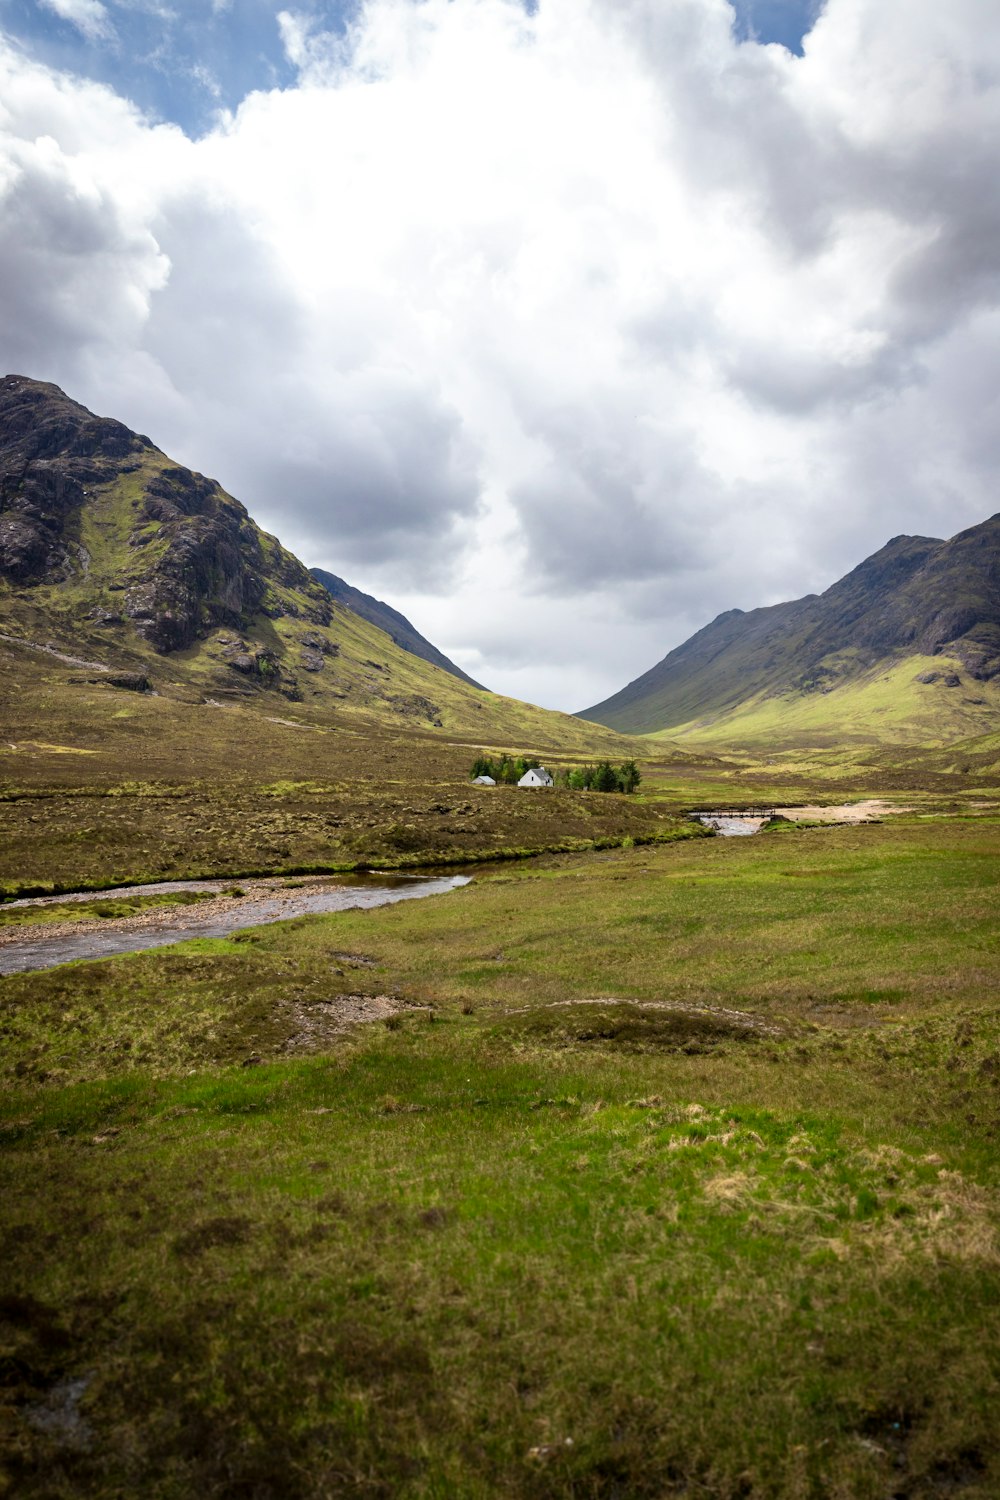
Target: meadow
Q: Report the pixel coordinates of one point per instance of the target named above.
(101, 788)
(671, 1170)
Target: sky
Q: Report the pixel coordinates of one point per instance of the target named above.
(562, 326)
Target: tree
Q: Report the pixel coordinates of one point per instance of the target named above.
(628, 776)
(606, 778)
(507, 771)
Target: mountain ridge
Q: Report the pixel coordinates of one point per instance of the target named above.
(396, 626)
(916, 597)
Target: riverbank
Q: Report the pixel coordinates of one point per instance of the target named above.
(220, 909)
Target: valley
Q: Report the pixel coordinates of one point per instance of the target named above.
(633, 1162)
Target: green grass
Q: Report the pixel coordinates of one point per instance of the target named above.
(296, 1284)
(885, 705)
(732, 1230)
(85, 911)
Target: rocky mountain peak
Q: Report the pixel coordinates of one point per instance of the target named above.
(85, 501)
(917, 596)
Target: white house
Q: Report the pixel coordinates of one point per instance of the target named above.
(537, 776)
(484, 781)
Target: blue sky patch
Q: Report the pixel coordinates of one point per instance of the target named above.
(178, 60)
(182, 60)
(784, 21)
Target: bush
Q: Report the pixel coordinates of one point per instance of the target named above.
(604, 777)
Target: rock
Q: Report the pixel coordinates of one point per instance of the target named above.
(928, 677)
(51, 449)
(260, 663)
(316, 643)
(202, 561)
(131, 682)
(24, 547)
(311, 661)
(415, 706)
(983, 668)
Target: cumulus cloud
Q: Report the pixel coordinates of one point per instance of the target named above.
(577, 322)
(78, 264)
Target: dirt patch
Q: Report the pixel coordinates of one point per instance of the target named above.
(868, 811)
(223, 1231)
(634, 1026)
(321, 1022)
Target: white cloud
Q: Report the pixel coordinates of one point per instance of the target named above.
(579, 327)
(90, 17)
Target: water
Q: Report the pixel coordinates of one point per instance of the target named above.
(263, 902)
(731, 827)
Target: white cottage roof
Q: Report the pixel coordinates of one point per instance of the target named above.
(484, 781)
(537, 776)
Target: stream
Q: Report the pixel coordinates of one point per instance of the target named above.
(730, 826)
(260, 902)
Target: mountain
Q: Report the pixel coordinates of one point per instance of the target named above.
(89, 506)
(396, 626)
(138, 572)
(907, 644)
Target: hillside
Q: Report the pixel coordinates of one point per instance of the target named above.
(907, 645)
(142, 573)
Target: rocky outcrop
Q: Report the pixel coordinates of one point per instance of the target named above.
(208, 563)
(129, 682)
(51, 450)
(211, 571)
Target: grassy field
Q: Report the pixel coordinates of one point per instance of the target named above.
(99, 788)
(672, 1173)
(13, 916)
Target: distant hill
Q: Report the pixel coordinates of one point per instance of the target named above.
(907, 644)
(395, 625)
(120, 568)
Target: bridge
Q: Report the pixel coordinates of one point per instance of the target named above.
(734, 812)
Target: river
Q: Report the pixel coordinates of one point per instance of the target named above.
(259, 902)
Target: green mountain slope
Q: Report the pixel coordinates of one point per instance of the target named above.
(907, 645)
(396, 626)
(137, 571)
